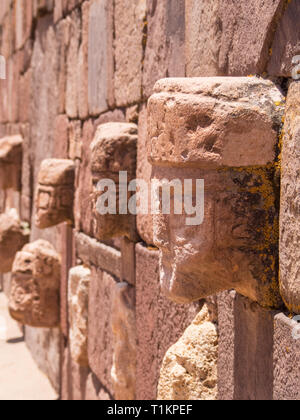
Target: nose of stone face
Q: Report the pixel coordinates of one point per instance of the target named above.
(224, 131)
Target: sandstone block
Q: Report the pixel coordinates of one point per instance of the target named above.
(124, 334)
(160, 322)
(55, 193)
(34, 296)
(113, 150)
(286, 359)
(290, 203)
(189, 370)
(78, 295)
(129, 26)
(11, 162)
(286, 42)
(100, 57)
(13, 236)
(223, 131)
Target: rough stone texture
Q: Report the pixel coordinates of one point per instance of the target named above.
(290, 203)
(286, 42)
(189, 370)
(92, 252)
(34, 295)
(209, 129)
(78, 295)
(113, 150)
(222, 36)
(129, 26)
(286, 359)
(245, 362)
(160, 323)
(55, 193)
(13, 236)
(100, 334)
(144, 172)
(100, 56)
(124, 334)
(165, 50)
(11, 162)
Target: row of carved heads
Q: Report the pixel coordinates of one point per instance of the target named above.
(221, 130)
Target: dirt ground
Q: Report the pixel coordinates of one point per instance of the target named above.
(20, 379)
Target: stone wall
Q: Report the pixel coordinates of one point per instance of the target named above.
(79, 77)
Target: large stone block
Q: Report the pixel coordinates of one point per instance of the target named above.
(124, 334)
(100, 57)
(286, 359)
(113, 151)
(13, 236)
(160, 322)
(129, 26)
(286, 42)
(189, 370)
(222, 36)
(11, 153)
(165, 42)
(78, 295)
(100, 333)
(290, 203)
(55, 193)
(221, 134)
(34, 296)
(246, 357)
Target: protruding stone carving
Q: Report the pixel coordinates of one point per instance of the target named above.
(55, 193)
(13, 236)
(34, 297)
(124, 332)
(114, 150)
(79, 283)
(223, 131)
(11, 154)
(189, 370)
(290, 203)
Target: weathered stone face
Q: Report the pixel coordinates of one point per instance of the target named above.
(13, 236)
(79, 282)
(124, 334)
(223, 131)
(189, 370)
(290, 203)
(11, 162)
(34, 297)
(55, 193)
(114, 150)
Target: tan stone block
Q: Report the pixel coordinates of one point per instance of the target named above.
(290, 203)
(78, 295)
(55, 193)
(13, 236)
(124, 335)
(129, 25)
(34, 296)
(189, 370)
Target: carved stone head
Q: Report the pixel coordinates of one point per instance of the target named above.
(223, 131)
(55, 193)
(114, 150)
(34, 296)
(13, 236)
(11, 153)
